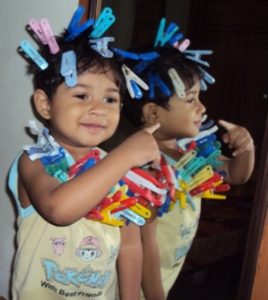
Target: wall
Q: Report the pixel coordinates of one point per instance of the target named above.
(15, 101)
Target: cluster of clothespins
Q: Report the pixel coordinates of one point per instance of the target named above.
(43, 33)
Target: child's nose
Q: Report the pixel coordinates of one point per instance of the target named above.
(96, 105)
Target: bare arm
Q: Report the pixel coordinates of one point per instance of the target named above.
(240, 167)
(130, 263)
(64, 204)
(151, 277)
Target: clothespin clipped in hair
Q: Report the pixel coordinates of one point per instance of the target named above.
(101, 46)
(156, 81)
(206, 78)
(68, 68)
(49, 36)
(195, 55)
(164, 36)
(177, 83)
(33, 54)
(103, 23)
(75, 28)
(133, 82)
(126, 54)
(38, 31)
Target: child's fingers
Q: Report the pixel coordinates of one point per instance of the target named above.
(227, 125)
(152, 129)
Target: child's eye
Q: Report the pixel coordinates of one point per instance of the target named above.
(190, 100)
(111, 100)
(82, 96)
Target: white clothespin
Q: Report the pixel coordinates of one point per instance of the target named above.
(177, 83)
(132, 82)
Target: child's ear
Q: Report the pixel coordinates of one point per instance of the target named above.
(42, 104)
(150, 113)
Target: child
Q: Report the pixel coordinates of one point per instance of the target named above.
(178, 109)
(60, 253)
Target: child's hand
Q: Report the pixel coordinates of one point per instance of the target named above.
(142, 147)
(237, 138)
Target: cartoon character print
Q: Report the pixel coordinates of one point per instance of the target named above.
(88, 249)
(58, 245)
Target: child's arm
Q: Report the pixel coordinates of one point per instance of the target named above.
(151, 279)
(65, 203)
(130, 263)
(240, 167)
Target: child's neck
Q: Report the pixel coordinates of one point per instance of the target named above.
(170, 148)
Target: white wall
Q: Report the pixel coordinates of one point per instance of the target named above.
(15, 109)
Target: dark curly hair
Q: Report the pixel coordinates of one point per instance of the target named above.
(87, 59)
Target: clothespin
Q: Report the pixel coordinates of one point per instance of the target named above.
(149, 55)
(103, 23)
(185, 159)
(174, 41)
(141, 210)
(195, 55)
(37, 29)
(126, 54)
(164, 36)
(191, 168)
(49, 36)
(33, 54)
(182, 46)
(183, 142)
(156, 81)
(132, 81)
(207, 77)
(75, 28)
(210, 195)
(68, 68)
(101, 46)
(131, 216)
(177, 83)
(202, 176)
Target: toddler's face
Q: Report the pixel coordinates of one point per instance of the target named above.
(87, 114)
(183, 117)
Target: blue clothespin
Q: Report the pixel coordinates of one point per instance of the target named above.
(175, 39)
(131, 216)
(101, 46)
(33, 54)
(126, 54)
(195, 55)
(104, 21)
(68, 68)
(207, 77)
(133, 82)
(74, 27)
(207, 125)
(149, 55)
(156, 81)
(164, 36)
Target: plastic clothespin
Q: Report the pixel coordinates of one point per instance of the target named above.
(49, 36)
(68, 68)
(131, 216)
(207, 77)
(33, 54)
(156, 81)
(185, 159)
(133, 82)
(37, 29)
(191, 168)
(174, 41)
(183, 142)
(126, 54)
(149, 55)
(177, 83)
(75, 26)
(164, 36)
(182, 46)
(101, 46)
(104, 21)
(205, 174)
(141, 210)
(195, 55)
